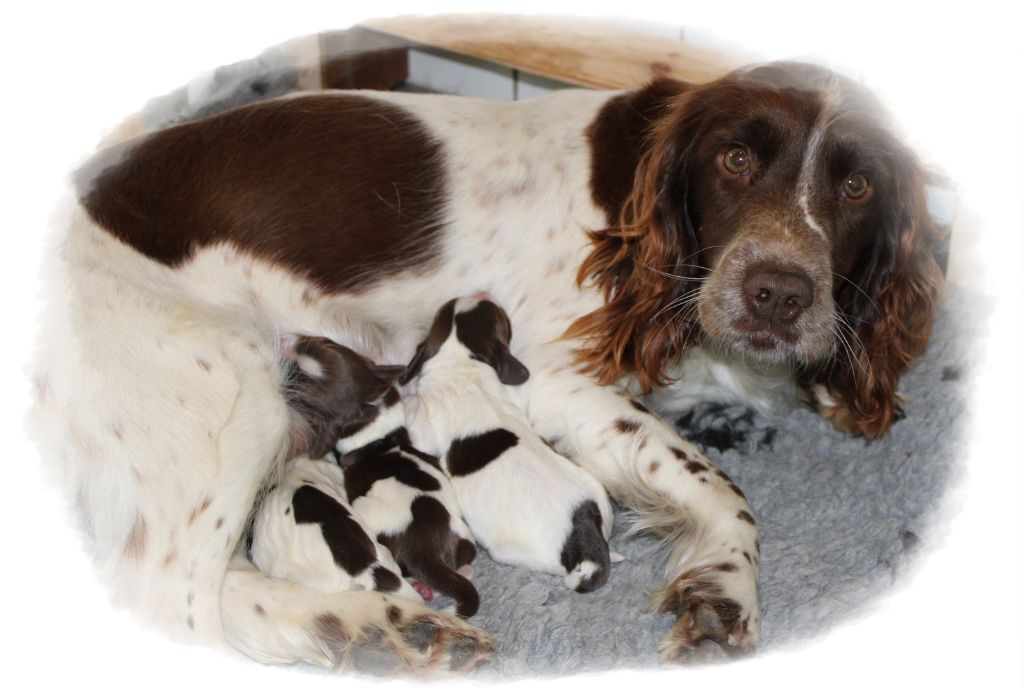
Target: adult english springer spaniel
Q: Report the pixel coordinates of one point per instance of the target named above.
(764, 223)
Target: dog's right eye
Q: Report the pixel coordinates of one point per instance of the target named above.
(736, 161)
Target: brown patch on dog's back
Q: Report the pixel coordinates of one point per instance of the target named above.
(321, 185)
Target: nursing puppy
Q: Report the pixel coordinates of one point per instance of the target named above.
(525, 504)
(304, 530)
(397, 492)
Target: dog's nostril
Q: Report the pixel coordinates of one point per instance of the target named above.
(777, 295)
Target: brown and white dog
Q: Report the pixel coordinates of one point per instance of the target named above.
(768, 218)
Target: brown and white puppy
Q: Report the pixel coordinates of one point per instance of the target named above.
(526, 504)
(305, 532)
(398, 493)
(621, 230)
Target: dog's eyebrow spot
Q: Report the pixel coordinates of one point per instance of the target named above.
(695, 467)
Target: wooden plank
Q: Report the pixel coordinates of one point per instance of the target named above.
(576, 51)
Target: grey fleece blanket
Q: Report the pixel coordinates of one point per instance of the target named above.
(841, 519)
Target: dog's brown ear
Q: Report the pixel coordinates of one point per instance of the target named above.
(639, 262)
(888, 312)
(439, 332)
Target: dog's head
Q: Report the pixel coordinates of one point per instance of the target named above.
(333, 392)
(476, 327)
(772, 215)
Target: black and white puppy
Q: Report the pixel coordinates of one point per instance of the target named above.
(398, 493)
(305, 531)
(525, 503)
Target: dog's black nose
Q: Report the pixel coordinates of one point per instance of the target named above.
(777, 295)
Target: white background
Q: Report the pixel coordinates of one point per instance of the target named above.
(951, 75)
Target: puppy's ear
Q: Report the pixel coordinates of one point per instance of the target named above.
(510, 370)
(439, 332)
(420, 358)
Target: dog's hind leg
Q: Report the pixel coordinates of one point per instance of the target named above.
(163, 423)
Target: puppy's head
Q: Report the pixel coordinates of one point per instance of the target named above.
(476, 325)
(333, 392)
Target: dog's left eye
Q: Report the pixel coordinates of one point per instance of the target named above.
(857, 188)
(736, 161)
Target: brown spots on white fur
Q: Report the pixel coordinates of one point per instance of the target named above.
(199, 510)
(627, 426)
(117, 429)
(135, 545)
(170, 557)
(489, 192)
(203, 364)
(557, 267)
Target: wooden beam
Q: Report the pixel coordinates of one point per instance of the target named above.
(576, 51)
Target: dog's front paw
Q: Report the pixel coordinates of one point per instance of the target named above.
(716, 602)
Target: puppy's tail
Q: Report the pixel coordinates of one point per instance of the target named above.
(450, 582)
